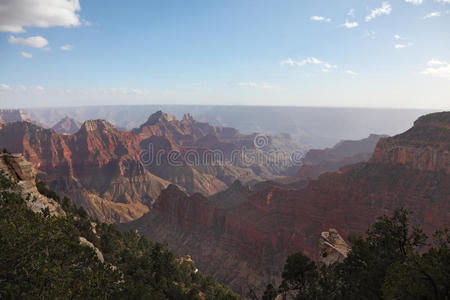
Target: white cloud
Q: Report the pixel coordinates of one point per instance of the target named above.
(385, 9)
(26, 54)
(415, 2)
(397, 37)
(348, 24)
(325, 67)
(67, 47)
(350, 72)
(320, 19)
(442, 1)
(401, 46)
(261, 85)
(437, 68)
(33, 41)
(370, 34)
(17, 14)
(432, 15)
(351, 12)
(436, 62)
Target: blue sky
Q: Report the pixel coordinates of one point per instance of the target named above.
(285, 52)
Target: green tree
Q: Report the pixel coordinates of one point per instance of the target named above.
(387, 242)
(424, 276)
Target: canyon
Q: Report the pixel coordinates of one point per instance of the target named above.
(243, 235)
(116, 175)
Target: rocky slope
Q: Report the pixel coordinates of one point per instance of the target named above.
(67, 126)
(116, 175)
(24, 174)
(243, 236)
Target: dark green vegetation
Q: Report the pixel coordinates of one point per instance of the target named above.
(41, 258)
(393, 261)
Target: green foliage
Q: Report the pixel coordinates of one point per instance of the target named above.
(41, 257)
(299, 275)
(387, 264)
(424, 276)
(388, 242)
(44, 190)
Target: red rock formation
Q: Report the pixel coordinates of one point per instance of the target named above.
(243, 237)
(98, 167)
(102, 168)
(425, 147)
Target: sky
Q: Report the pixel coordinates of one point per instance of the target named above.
(228, 52)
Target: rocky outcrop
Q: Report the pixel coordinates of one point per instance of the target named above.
(67, 126)
(332, 247)
(85, 242)
(243, 237)
(24, 174)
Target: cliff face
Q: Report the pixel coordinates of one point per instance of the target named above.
(21, 171)
(116, 175)
(424, 147)
(243, 237)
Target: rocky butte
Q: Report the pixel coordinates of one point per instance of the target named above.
(242, 236)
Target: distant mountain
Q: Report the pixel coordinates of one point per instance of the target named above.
(243, 236)
(343, 149)
(346, 152)
(67, 126)
(116, 175)
(315, 127)
(13, 115)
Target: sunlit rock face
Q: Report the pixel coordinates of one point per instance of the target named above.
(332, 247)
(425, 147)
